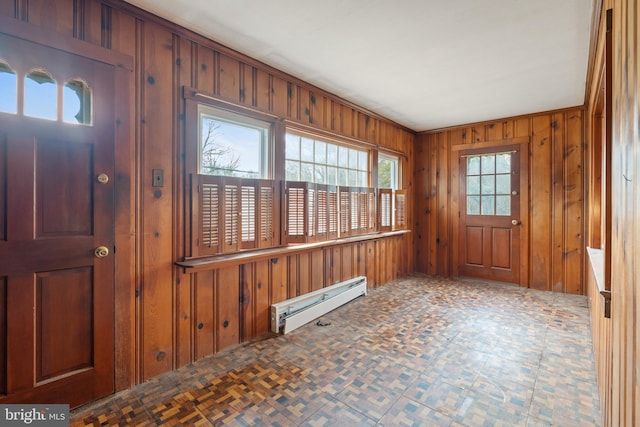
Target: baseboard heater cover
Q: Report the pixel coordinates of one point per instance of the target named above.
(295, 312)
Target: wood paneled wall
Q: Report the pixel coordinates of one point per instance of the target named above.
(553, 228)
(166, 318)
(625, 271)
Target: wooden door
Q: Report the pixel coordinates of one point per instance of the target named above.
(56, 208)
(490, 214)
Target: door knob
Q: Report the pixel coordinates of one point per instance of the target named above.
(515, 222)
(101, 252)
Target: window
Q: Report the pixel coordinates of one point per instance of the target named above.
(489, 184)
(40, 97)
(233, 145)
(76, 102)
(311, 160)
(388, 171)
(40, 91)
(8, 89)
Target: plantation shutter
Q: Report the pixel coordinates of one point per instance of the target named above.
(266, 205)
(323, 212)
(231, 205)
(295, 212)
(354, 200)
(344, 211)
(311, 211)
(385, 206)
(205, 215)
(248, 207)
(333, 212)
(401, 214)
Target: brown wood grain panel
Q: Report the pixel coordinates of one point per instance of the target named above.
(434, 212)
(508, 129)
(541, 200)
(3, 335)
(204, 314)
(262, 298)
(335, 265)
(316, 109)
(443, 206)
(88, 22)
(3, 194)
(293, 278)
(557, 216)
(348, 125)
(293, 101)
(336, 116)
(477, 134)
(157, 271)
(54, 15)
(9, 8)
(227, 317)
(206, 70)
(248, 289)
(122, 34)
(278, 280)
(303, 105)
(21, 337)
(262, 90)
(64, 322)
(382, 265)
(370, 260)
(474, 245)
(64, 165)
(247, 86)
(421, 223)
(574, 204)
(317, 269)
(228, 78)
(522, 127)
(183, 76)
(347, 262)
(280, 94)
(493, 131)
(500, 239)
(304, 273)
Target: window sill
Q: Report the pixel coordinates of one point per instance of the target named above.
(200, 264)
(596, 259)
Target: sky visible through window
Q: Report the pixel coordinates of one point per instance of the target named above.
(40, 97)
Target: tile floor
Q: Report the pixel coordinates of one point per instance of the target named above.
(420, 351)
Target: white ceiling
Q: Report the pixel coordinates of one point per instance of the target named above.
(425, 64)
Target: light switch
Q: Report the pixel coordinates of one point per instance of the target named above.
(158, 178)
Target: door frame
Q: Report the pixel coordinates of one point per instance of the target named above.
(124, 182)
(525, 211)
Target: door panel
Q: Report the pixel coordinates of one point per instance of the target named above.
(57, 298)
(489, 205)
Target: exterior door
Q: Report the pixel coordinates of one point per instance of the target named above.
(56, 209)
(490, 214)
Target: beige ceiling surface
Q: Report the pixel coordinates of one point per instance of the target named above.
(424, 64)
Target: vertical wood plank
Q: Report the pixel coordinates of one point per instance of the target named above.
(558, 218)
(293, 279)
(8, 8)
(304, 105)
(304, 273)
(205, 328)
(56, 15)
(248, 288)
(573, 204)
(541, 199)
(443, 206)
(262, 90)
(205, 76)
(278, 279)
(247, 78)
(227, 307)
(228, 78)
(337, 261)
(317, 269)
(262, 298)
(279, 95)
(157, 267)
(493, 131)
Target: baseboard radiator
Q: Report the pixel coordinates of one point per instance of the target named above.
(295, 312)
